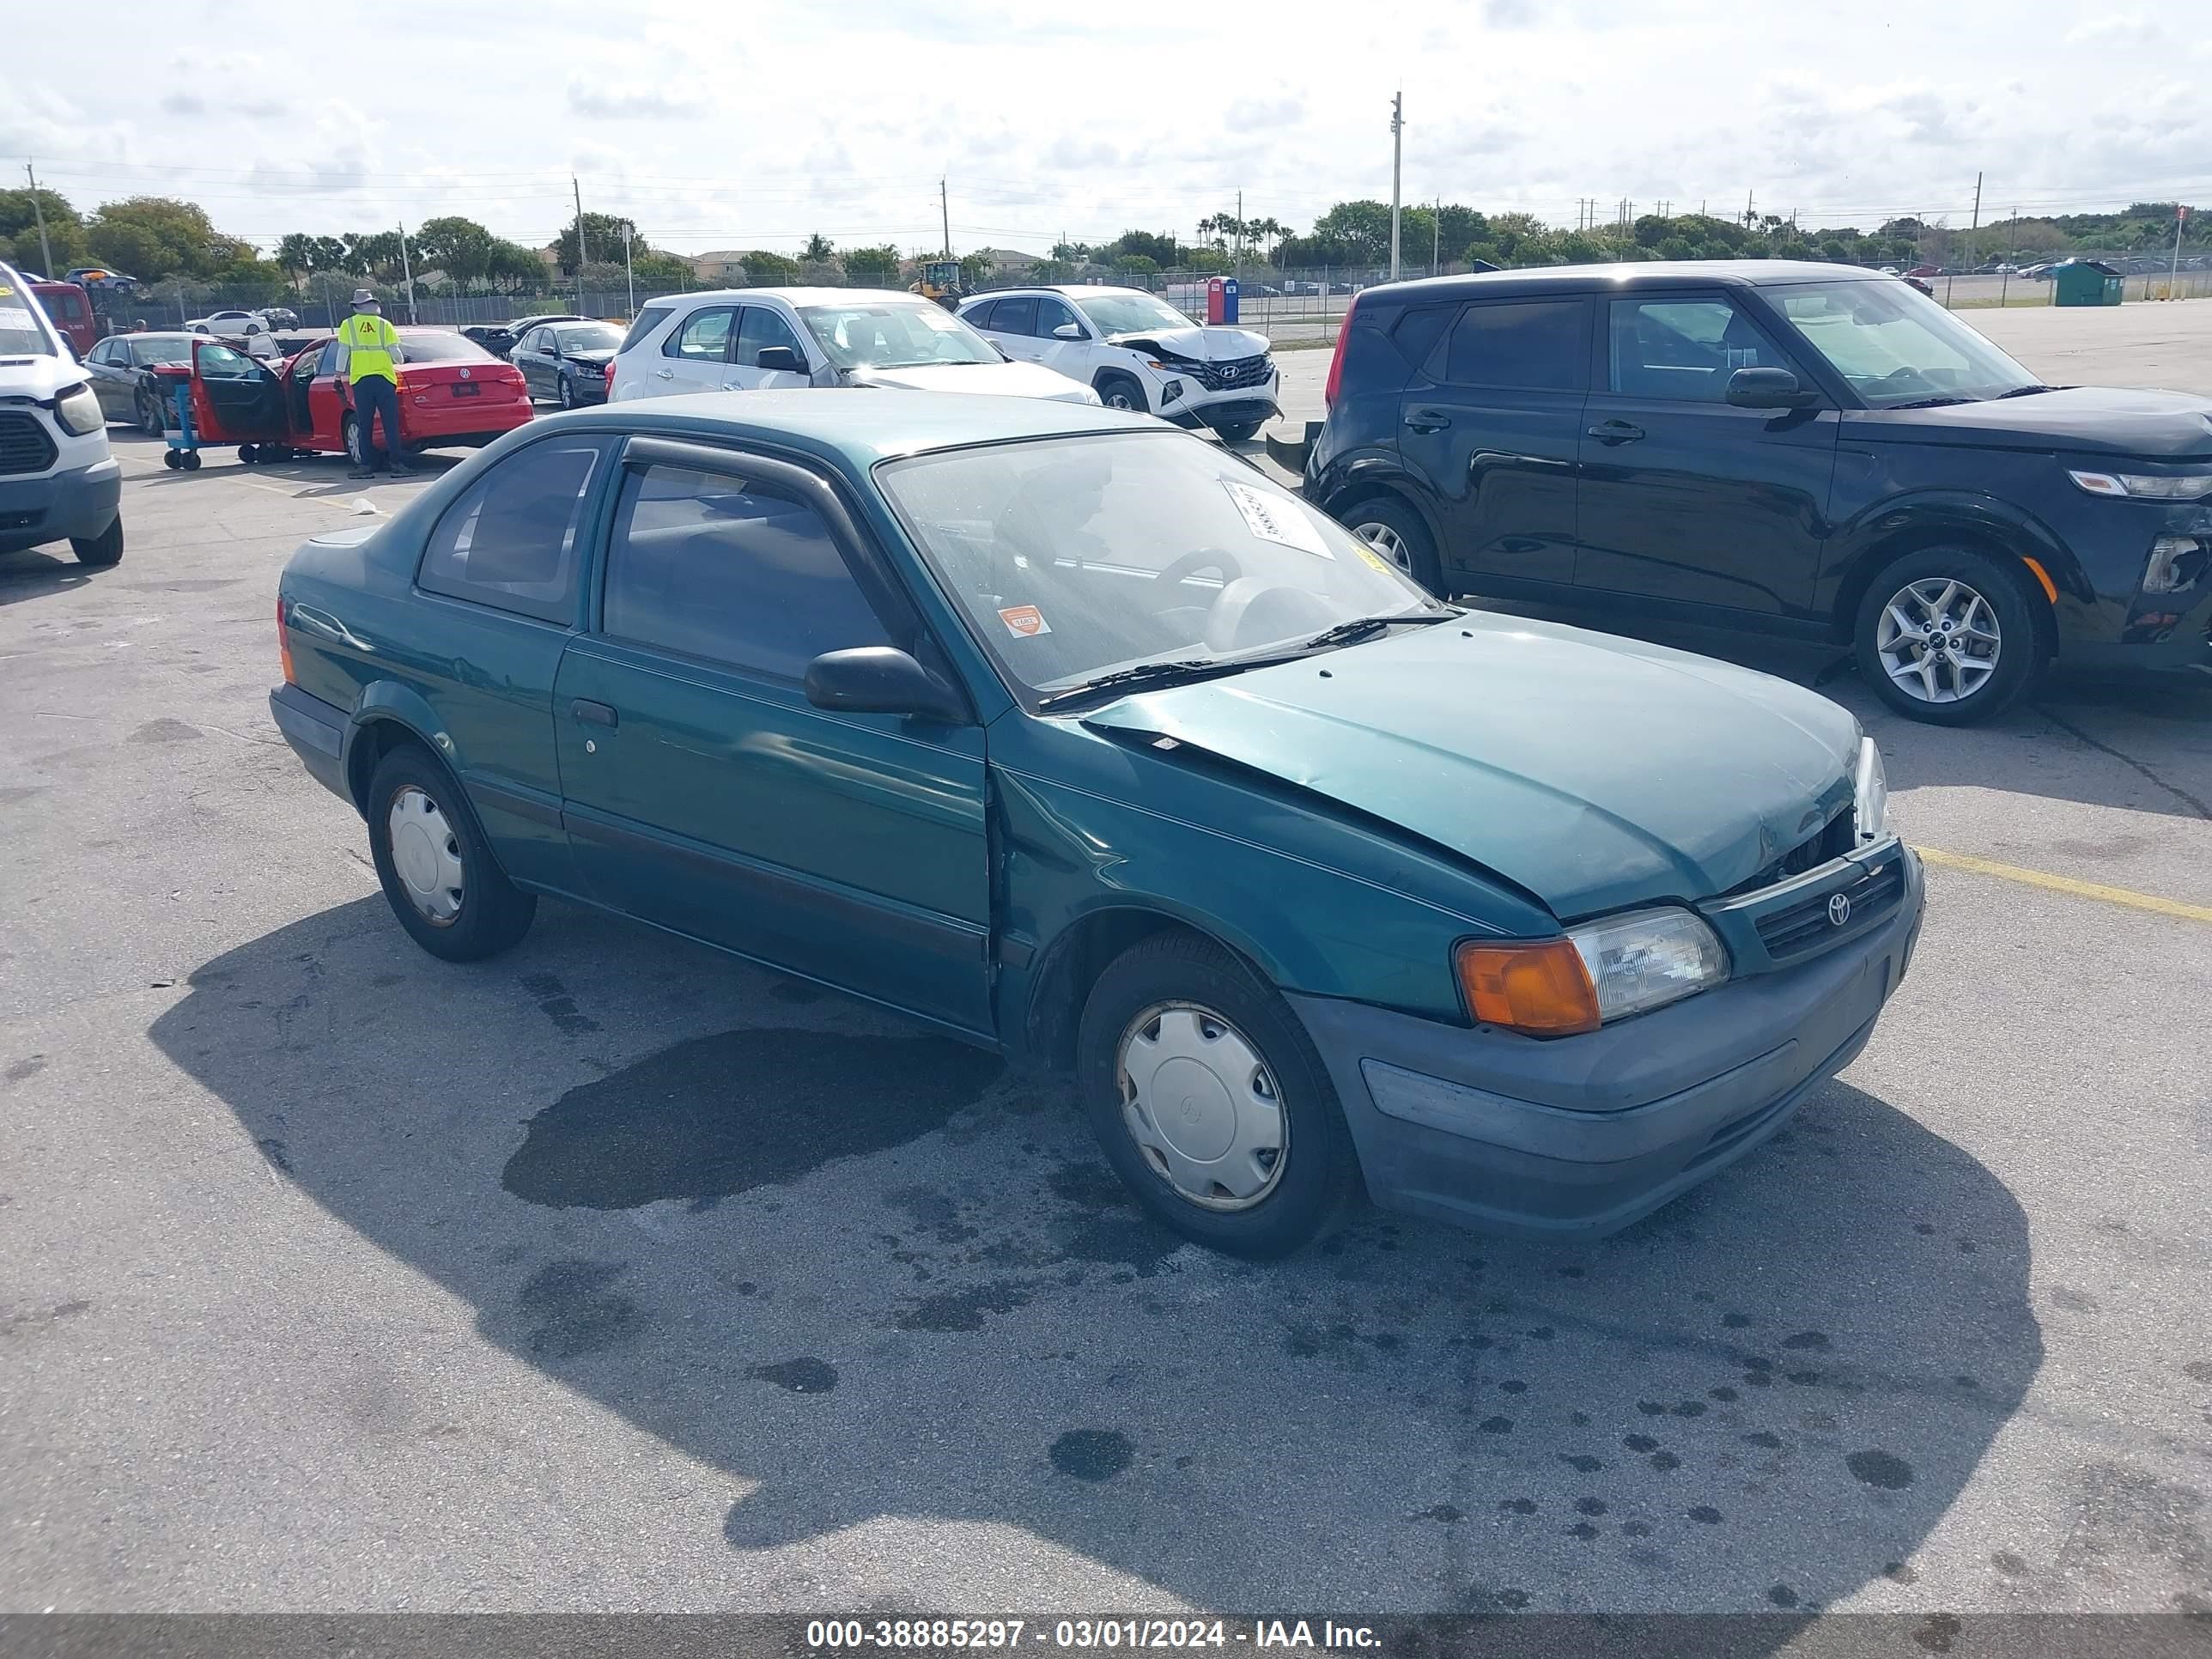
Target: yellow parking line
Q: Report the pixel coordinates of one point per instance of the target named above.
(2092, 890)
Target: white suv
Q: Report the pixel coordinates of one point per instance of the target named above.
(1138, 352)
(57, 481)
(763, 339)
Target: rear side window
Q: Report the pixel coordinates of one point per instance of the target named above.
(1528, 345)
(1015, 317)
(511, 542)
(648, 320)
(704, 336)
(979, 317)
(719, 568)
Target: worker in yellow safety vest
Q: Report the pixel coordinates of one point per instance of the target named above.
(372, 361)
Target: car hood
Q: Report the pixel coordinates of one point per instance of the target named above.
(40, 378)
(1203, 345)
(2095, 420)
(596, 359)
(1006, 379)
(1595, 773)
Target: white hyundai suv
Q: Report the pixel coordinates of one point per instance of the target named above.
(1138, 352)
(57, 481)
(763, 338)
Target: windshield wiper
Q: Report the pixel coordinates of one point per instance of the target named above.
(1150, 673)
(1361, 627)
(2027, 391)
(1934, 402)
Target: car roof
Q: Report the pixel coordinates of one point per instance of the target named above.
(1069, 291)
(1657, 273)
(792, 296)
(862, 425)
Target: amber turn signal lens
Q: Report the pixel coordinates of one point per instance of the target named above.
(284, 647)
(1541, 989)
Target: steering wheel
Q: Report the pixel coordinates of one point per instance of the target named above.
(1204, 558)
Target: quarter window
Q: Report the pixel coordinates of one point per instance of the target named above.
(716, 566)
(648, 320)
(705, 335)
(1016, 316)
(511, 542)
(1533, 345)
(1683, 349)
(980, 317)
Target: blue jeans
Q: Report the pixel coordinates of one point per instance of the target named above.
(376, 398)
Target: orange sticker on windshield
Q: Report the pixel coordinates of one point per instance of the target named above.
(1024, 620)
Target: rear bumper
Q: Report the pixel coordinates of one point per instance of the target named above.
(316, 730)
(77, 502)
(464, 420)
(1593, 1133)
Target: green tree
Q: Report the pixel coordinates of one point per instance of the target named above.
(511, 267)
(873, 267)
(152, 237)
(1163, 250)
(766, 270)
(1135, 264)
(974, 268)
(603, 232)
(19, 227)
(661, 273)
(819, 250)
(459, 247)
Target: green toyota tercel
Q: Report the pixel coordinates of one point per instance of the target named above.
(1072, 735)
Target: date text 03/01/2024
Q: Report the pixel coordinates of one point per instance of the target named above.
(831, 1635)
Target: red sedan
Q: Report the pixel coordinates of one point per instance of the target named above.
(452, 394)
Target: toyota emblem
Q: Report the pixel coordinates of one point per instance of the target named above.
(465, 374)
(1839, 909)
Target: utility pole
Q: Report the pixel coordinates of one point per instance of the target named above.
(1437, 238)
(1239, 266)
(1750, 212)
(1974, 231)
(2173, 273)
(583, 254)
(1397, 150)
(46, 253)
(945, 213)
(407, 271)
(629, 272)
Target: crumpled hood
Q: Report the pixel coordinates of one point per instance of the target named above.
(1598, 773)
(2083, 419)
(1006, 379)
(598, 359)
(1204, 345)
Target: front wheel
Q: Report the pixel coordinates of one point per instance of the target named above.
(1210, 1101)
(568, 398)
(1397, 532)
(436, 868)
(1948, 636)
(1238, 432)
(1120, 391)
(104, 548)
(151, 421)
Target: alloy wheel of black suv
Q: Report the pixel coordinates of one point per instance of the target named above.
(1945, 635)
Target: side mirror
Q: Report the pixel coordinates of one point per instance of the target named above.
(879, 679)
(1768, 388)
(781, 358)
(1068, 331)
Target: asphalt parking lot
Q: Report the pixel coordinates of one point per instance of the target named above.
(616, 1274)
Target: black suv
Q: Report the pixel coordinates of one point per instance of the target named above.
(1799, 448)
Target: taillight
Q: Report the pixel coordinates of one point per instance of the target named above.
(284, 644)
(1336, 361)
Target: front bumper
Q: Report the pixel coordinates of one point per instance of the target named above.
(1580, 1136)
(1227, 408)
(73, 503)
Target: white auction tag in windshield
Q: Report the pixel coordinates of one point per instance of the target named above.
(14, 317)
(1273, 519)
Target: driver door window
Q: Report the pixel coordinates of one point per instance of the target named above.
(759, 329)
(1683, 349)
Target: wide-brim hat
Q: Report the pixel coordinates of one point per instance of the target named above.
(364, 296)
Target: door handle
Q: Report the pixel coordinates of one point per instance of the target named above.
(1428, 420)
(594, 713)
(1616, 432)
(664, 374)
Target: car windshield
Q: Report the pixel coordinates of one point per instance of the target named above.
(1895, 345)
(1080, 556)
(149, 349)
(21, 334)
(438, 345)
(889, 335)
(589, 336)
(1129, 314)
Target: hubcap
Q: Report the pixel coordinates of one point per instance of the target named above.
(427, 855)
(1201, 1106)
(1938, 640)
(1387, 541)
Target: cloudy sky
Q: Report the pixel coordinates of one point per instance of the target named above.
(752, 126)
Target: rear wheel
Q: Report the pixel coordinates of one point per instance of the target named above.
(1948, 636)
(436, 868)
(104, 548)
(1210, 1101)
(1396, 532)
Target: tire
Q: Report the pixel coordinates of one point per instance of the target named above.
(1236, 432)
(1121, 391)
(482, 913)
(101, 550)
(567, 394)
(348, 439)
(150, 419)
(1185, 991)
(1395, 531)
(173, 460)
(1964, 604)
(248, 454)
(190, 460)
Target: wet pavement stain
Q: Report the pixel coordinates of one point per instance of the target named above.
(804, 1375)
(556, 1004)
(166, 731)
(1877, 1467)
(963, 1311)
(576, 1312)
(722, 1115)
(1092, 1453)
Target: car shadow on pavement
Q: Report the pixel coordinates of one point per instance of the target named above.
(877, 1281)
(34, 574)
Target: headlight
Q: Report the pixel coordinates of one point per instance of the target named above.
(78, 411)
(1872, 785)
(2176, 562)
(2185, 486)
(1604, 971)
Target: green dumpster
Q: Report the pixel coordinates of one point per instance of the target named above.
(2085, 283)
